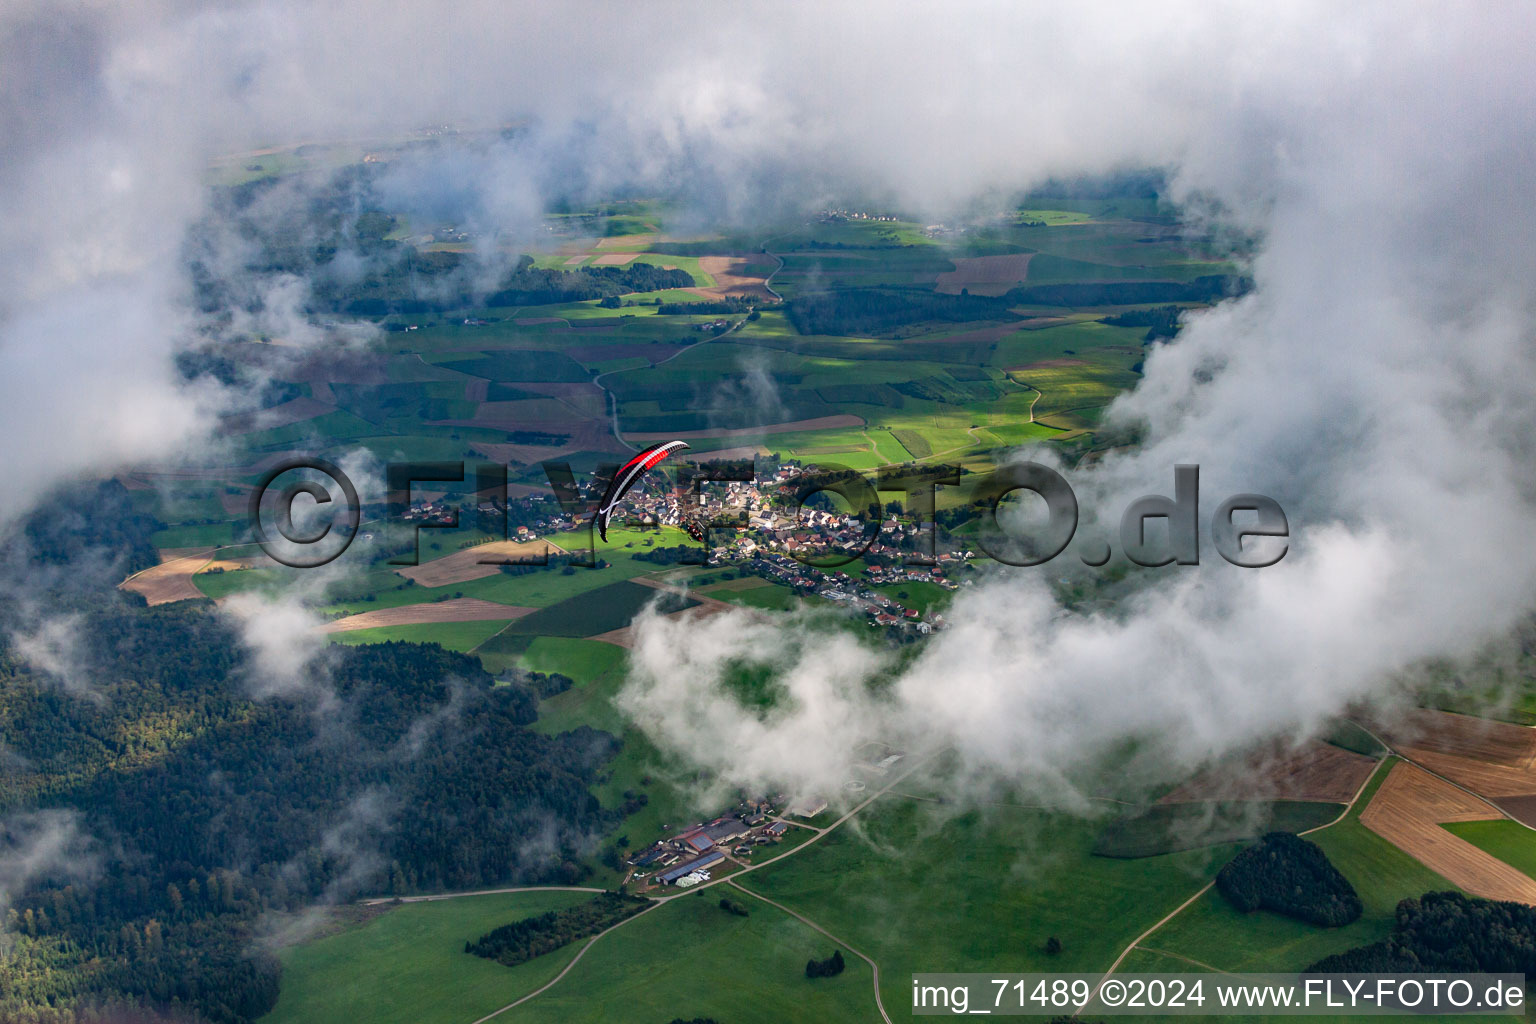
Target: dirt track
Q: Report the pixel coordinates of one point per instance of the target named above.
(464, 565)
(1407, 811)
(459, 609)
(171, 580)
(1318, 771)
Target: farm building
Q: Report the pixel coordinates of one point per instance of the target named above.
(673, 874)
(726, 829)
(698, 841)
(807, 808)
(778, 828)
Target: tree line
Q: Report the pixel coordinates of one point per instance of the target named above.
(515, 943)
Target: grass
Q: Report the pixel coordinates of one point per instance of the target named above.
(455, 636)
(598, 611)
(198, 535)
(692, 959)
(408, 965)
(1510, 841)
(1212, 932)
(598, 670)
(1165, 828)
(916, 885)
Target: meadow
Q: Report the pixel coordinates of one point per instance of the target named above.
(417, 971)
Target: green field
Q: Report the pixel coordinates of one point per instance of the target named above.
(597, 611)
(456, 636)
(1510, 841)
(1166, 828)
(691, 959)
(416, 969)
(1212, 932)
(919, 884)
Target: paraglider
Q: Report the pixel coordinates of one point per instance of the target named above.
(628, 475)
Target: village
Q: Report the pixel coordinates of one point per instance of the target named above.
(764, 537)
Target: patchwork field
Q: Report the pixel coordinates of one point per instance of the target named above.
(458, 609)
(471, 563)
(1317, 771)
(1211, 934)
(171, 580)
(1408, 811)
(985, 275)
(418, 972)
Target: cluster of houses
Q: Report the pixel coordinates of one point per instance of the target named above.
(839, 587)
(837, 216)
(688, 857)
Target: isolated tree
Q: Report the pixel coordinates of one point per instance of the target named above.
(1053, 945)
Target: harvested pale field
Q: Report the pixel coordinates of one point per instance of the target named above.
(637, 242)
(819, 423)
(171, 580)
(985, 275)
(1317, 771)
(237, 564)
(1462, 736)
(614, 259)
(573, 261)
(1407, 811)
(735, 278)
(459, 609)
(1493, 759)
(476, 389)
(1482, 777)
(465, 564)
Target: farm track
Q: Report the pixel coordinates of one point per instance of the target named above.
(1408, 811)
(171, 580)
(732, 879)
(1206, 888)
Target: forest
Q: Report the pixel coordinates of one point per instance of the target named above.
(1447, 931)
(1285, 873)
(209, 816)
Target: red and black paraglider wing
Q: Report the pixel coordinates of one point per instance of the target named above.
(627, 476)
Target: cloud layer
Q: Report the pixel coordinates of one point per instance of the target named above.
(1375, 382)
